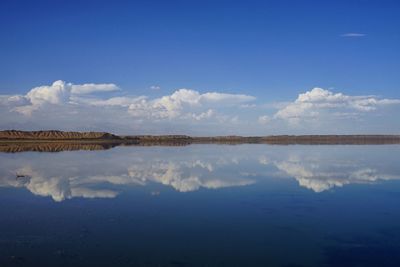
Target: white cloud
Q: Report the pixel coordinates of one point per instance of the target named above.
(353, 34)
(88, 88)
(169, 106)
(248, 105)
(58, 93)
(182, 101)
(119, 101)
(311, 104)
(228, 98)
(265, 119)
(68, 106)
(155, 87)
(204, 115)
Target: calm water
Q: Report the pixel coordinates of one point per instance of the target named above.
(202, 205)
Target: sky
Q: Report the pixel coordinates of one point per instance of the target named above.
(201, 67)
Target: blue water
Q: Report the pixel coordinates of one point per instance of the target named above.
(202, 205)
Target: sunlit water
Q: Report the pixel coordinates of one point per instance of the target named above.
(202, 205)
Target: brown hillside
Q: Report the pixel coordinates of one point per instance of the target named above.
(54, 135)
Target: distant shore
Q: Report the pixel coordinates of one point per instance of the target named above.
(15, 140)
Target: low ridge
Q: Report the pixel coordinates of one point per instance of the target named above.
(54, 135)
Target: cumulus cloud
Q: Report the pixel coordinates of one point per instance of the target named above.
(68, 106)
(169, 106)
(57, 93)
(311, 104)
(178, 104)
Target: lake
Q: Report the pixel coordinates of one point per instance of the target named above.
(202, 205)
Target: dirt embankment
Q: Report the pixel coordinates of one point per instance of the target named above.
(54, 135)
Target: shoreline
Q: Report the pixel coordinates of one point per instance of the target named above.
(55, 141)
(15, 136)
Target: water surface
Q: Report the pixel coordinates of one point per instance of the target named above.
(202, 205)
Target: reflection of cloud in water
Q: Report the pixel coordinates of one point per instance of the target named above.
(104, 174)
(183, 176)
(263, 160)
(59, 188)
(320, 175)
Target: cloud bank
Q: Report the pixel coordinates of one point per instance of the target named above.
(106, 107)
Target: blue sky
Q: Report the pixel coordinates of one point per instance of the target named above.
(269, 50)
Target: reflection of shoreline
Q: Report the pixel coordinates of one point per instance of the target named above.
(58, 146)
(14, 147)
